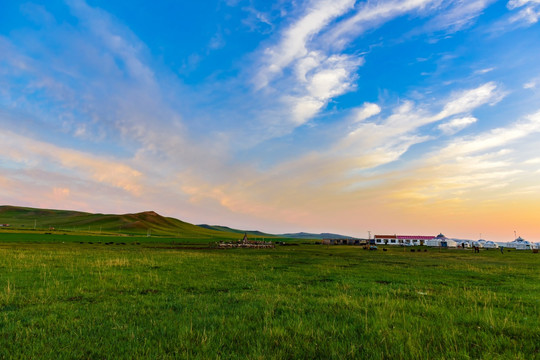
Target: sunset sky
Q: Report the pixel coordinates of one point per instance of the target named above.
(393, 116)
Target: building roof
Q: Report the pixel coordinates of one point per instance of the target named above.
(405, 237)
(415, 237)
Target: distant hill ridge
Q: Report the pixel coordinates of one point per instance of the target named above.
(300, 235)
(236, 231)
(303, 235)
(142, 223)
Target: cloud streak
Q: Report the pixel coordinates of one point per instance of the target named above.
(37, 154)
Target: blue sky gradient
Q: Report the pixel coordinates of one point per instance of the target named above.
(409, 116)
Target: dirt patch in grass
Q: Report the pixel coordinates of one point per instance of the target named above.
(148, 291)
(183, 247)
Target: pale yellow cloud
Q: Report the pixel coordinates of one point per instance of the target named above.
(35, 154)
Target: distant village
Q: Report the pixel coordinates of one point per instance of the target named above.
(439, 241)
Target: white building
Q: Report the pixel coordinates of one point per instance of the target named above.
(415, 240)
(386, 240)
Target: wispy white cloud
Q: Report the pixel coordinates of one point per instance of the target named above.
(456, 125)
(309, 66)
(530, 85)
(366, 111)
(37, 13)
(523, 13)
(304, 68)
(514, 4)
(117, 39)
(494, 138)
(457, 15)
(465, 101)
(370, 15)
(329, 78)
(484, 71)
(258, 20)
(294, 41)
(526, 17)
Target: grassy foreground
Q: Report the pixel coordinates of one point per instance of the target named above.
(159, 301)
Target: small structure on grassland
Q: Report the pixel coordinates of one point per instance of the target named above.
(246, 243)
(345, 241)
(403, 240)
(415, 240)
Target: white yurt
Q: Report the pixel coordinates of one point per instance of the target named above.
(441, 241)
(520, 244)
(480, 243)
(451, 243)
(437, 241)
(490, 245)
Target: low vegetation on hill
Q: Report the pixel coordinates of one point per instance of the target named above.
(143, 223)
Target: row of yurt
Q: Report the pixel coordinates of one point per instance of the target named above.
(444, 242)
(480, 243)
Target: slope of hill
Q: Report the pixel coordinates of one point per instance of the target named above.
(236, 231)
(303, 235)
(300, 235)
(143, 223)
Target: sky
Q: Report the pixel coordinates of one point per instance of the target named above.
(391, 116)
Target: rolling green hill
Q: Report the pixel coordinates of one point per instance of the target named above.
(144, 223)
(236, 231)
(300, 235)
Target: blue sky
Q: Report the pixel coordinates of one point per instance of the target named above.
(410, 116)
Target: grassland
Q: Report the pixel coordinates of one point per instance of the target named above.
(163, 300)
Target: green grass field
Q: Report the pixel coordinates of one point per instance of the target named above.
(60, 299)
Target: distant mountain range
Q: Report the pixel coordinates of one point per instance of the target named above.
(143, 223)
(231, 230)
(300, 235)
(303, 235)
